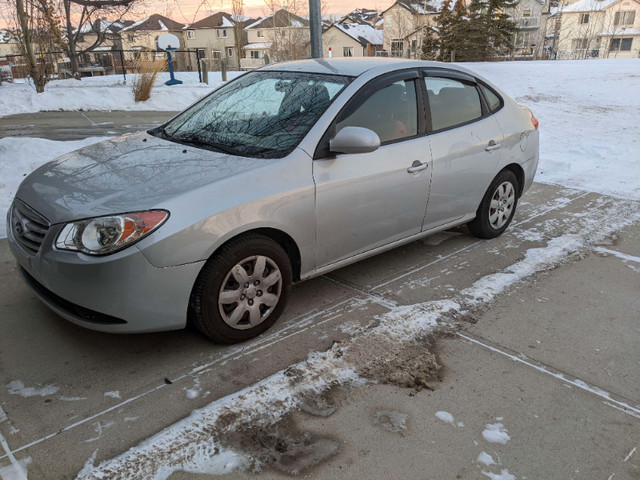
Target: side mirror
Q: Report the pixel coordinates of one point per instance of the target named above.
(354, 140)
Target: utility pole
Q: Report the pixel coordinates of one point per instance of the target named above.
(315, 23)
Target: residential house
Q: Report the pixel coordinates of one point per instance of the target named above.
(351, 40)
(599, 29)
(404, 22)
(530, 17)
(99, 40)
(143, 35)
(281, 36)
(214, 38)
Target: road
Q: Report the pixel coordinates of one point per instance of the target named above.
(78, 125)
(553, 359)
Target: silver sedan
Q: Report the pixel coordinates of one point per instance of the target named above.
(288, 172)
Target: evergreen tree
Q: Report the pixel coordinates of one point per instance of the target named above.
(430, 44)
(453, 23)
(491, 30)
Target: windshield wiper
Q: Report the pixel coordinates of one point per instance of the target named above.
(198, 141)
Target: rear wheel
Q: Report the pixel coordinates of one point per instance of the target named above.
(242, 289)
(497, 207)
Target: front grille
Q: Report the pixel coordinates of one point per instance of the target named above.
(28, 227)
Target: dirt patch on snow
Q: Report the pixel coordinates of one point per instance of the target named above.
(281, 446)
(386, 360)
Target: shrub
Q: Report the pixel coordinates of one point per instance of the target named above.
(148, 69)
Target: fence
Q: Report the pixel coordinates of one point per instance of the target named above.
(99, 62)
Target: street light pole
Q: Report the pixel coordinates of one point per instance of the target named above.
(315, 23)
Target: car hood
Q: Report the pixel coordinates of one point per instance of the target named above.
(124, 174)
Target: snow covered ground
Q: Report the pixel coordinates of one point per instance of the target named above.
(91, 94)
(588, 119)
(588, 112)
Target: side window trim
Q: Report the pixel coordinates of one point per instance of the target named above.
(484, 98)
(378, 83)
(460, 77)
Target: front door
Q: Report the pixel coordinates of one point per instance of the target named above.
(368, 200)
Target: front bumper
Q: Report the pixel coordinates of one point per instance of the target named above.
(118, 293)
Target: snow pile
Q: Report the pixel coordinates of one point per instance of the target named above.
(20, 156)
(588, 119)
(16, 387)
(92, 94)
(496, 433)
(446, 417)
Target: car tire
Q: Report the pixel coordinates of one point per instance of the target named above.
(242, 289)
(497, 207)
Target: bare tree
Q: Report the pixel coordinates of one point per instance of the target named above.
(38, 30)
(237, 11)
(87, 12)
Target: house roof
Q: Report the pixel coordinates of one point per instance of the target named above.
(155, 22)
(417, 7)
(363, 34)
(360, 15)
(258, 46)
(620, 32)
(7, 36)
(587, 6)
(280, 19)
(103, 25)
(220, 20)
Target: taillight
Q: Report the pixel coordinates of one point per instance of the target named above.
(534, 122)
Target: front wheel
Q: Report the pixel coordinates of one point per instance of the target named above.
(497, 207)
(242, 290)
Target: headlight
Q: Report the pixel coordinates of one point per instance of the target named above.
(102, 235)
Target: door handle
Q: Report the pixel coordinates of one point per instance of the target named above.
(493, 146)
(416, 166)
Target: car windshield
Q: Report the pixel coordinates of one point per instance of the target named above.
(261, 114)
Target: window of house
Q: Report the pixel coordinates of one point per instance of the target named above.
(391, 112)
(523, 39)
(584, 18)
(260, 33)
(222, 33)
(397, 46)
(579, 43)
(254, 54)
(624, 18)
(621, 44)
(191, 34)
(452, 102)
(229, 52)
(526, 13)
(131, 37)
(347, 51)
(216, 54)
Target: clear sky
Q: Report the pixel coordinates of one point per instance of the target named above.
(185, 11)
(188, 11)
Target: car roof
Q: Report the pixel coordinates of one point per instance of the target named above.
(355, 67)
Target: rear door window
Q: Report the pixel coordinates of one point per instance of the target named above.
(452, 102)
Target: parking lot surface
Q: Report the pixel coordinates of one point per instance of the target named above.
(553, 360)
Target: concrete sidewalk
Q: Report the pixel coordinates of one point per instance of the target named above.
(554, 365)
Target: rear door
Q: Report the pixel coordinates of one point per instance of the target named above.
(368, 200)
(466, 145)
